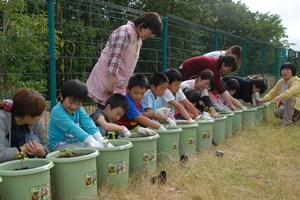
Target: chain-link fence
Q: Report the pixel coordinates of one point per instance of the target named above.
(81, 31)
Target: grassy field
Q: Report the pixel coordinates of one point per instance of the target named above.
(259, 163)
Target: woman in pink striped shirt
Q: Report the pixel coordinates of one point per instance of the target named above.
(119, 57)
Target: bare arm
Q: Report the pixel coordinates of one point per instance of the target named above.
(236, 103)
(107, 125)
(190, 107)
(181, 109)
(226, 96)
(146, 122)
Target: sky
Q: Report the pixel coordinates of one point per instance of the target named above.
(289, 12)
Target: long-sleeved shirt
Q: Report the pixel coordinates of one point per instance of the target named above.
(8, 150)
(118, 58)
(69, 128)
(195, 65)
(293, 90)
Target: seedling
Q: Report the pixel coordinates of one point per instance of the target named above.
(67, 152)
(23, 157)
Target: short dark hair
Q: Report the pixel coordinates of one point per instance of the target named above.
(149, 20)
(192, 95)
(262, 84)
(229, 61)
(137, 80)
(74, 89)
(290, 66)
(117, 100)
(158, 79)
(207, 75)
(232, 84)
(173, 75)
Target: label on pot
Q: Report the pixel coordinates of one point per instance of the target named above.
(175, 146)
(149, 156)
(41, 192)
(206, 135)
(192, 141)
(90, 179)
(115, 168)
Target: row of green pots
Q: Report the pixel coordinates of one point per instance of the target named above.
(80, 177)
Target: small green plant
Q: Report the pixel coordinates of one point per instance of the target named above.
(23, 157)
(67, 152)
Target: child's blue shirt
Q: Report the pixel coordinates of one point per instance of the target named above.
(150, 101)
(69, 128)
(135, 109)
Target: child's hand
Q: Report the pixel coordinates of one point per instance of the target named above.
(145, 131)
(90, 141)
(98, 137)
(162, 128)
(126, 132)
(171, 122)
(162, 112)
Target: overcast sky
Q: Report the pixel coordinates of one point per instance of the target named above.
(289, 11)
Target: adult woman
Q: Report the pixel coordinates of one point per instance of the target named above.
(223, 64)
(21, 129)
(119, 57)
(235, 51)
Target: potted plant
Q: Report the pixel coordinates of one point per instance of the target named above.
(113, 163)
(74, 173)
(30, 178)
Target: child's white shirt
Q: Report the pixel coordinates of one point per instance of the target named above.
(169, 96)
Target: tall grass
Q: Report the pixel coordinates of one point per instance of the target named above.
(260, 162)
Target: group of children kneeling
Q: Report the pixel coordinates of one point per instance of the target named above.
(164, 100)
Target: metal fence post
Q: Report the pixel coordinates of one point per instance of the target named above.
(165, 45)
(52, 64)
(262, 60)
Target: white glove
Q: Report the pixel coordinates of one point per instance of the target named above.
(171, 122)
(162, 112)
(98, 137)
(145, 131)
(190, 120)
(244, 108)
(125, 133)
(199, 117)
(106, 143)
(90, 141)
(162, 128)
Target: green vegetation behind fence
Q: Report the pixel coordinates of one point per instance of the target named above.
(81, 31)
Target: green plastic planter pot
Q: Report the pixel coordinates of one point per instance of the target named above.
(266, 112)
(113, 163)
(228, 124)
(142, 155)
(204, 133)
(248, 117)
(272, 107)
(75, 177)
(28, 184)
(259, 115)
(187, 138)
(219, 129)
(237, 120)
(168, 143)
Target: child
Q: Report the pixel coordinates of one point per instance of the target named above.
(233, 86)
(115, 107)
(21, 127)
(202, 83)
(70, 125)
(152, 102)
(137, 85)
(173, 95)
